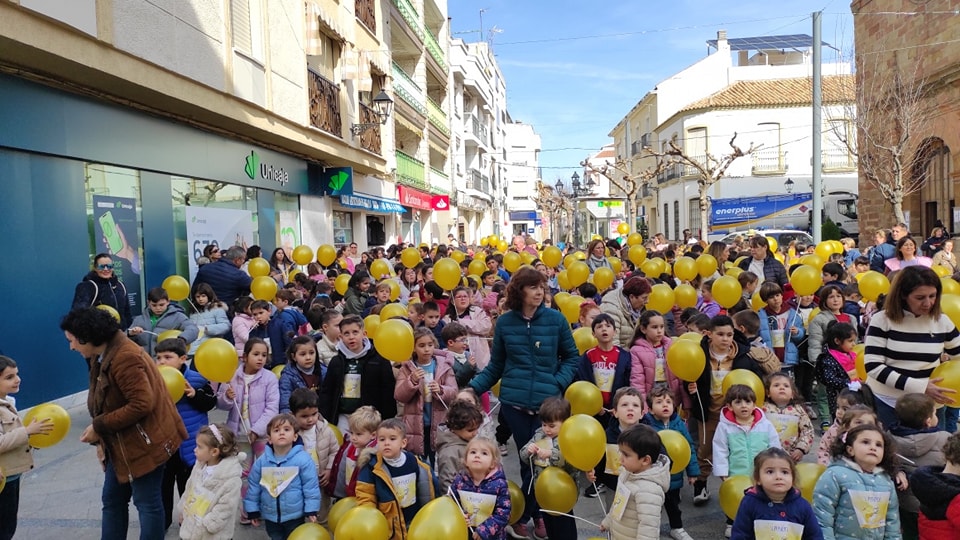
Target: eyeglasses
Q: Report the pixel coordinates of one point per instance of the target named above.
(215, 250)
(104, 267)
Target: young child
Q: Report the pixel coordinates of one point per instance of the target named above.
(780, 325)
(938, 491)
(16, 455)
(543, 451)
(773, 507)
(431, 319)
(699, 323)
(198, 399)
(588, 311)
(847, 400)
(856, 493)
(318, 439)
(481, 488)
(284, 325)
(381, 295)
(706, 304)
(920, 444)
(329, 336)
(837, 365)
(743, 432)
(454, 335)
(343, 475)
(464, 419)
(748, 322)
(357, 376)
(210, 317)
(856, 415)
(606, 365)
(159, 316)
(627, 412)
(283, 483)
(208, 507)
(394, 480)
(663, 415)
(851, 305)
(784, 409)
(252, 398)
(831, 306)
(300, 371)
(242, 322)
(648, 353)
(749, 283)
(425, 385)
(644, 478)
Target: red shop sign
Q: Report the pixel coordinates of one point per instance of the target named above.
(414, 199)
(440, 203)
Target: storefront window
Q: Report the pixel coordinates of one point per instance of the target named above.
(287, 221)
(211, 213)
(115, 223)
(342, 228)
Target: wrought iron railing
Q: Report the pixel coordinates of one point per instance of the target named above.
(324, 104)
(370, 138)
(367, 13)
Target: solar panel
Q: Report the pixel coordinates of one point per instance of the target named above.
(790, 41)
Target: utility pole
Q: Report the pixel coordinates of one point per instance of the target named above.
(815, 223)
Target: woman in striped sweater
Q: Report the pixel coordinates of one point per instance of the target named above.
(905, 342)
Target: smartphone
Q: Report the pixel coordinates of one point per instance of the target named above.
(109, 227)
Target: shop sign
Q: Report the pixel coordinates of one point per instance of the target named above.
(609, 204)
(336, 181)
(266, 171)
(368, 203)
(440, 203)
(414, 199)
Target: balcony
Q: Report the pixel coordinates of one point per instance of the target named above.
(689, 170)
(410, 16)
(479, 131)
(439, 181)
(324, 104)
(769, 162)
(366, 11)
(370, 139)
(437, 117)
(478, 182)
(435, 50)
(409, 91)
(838, 160)
(411, 171)
(672, 171)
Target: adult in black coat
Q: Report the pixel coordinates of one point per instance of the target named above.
(225, 276)
(100, 287)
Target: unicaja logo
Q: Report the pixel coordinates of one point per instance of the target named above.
(267, 172)
(253, 163)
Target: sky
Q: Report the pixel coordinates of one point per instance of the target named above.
(574, 68)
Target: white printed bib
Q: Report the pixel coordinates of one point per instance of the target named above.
(479, 506)
(788, 425)
(613, 459)
(659, 370)
(716, 382)
(870, 507)
(619, 502)
(604, 378)
(406, 488)
(351, 386)
(777, 530)
(545, 444)
(197, 503)
(276, 479)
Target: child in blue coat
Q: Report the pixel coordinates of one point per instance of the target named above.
(773, 507)
(781, 327)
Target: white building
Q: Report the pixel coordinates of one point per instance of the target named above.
(765, 99)
(521, 173)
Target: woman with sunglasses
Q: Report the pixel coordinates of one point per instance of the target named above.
(100, 287)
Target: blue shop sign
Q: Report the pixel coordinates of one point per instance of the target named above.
(369, 203)
(529, 215)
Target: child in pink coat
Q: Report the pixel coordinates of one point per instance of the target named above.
(649, 354)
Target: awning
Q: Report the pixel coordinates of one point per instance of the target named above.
(371, 204)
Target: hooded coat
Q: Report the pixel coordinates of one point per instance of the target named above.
(94, 291)
(735, 445)
(376, 380)
(641, 496)
(939, 496)
(299, 499)
(756, 507)
(923, 447)
(741, 360)
(834, 507)
(625, 318)
(173, 318)
(411, 395)
(223, 484)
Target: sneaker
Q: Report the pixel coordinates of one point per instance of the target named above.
(679, 534)
(520, 531)
(700, 493)
(504, 450)
(728, 531)
(594, 490)
(539, 529)
(811, 412)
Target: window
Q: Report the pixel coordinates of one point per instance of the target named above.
(676, 218)
(693, 211)
(836, 154)
(696, 148)
(324, 62)
(769, 158)
(287, 222)
(246, 18)
(666, 220)
(342, 228)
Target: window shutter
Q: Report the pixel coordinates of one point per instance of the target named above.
(240, 19)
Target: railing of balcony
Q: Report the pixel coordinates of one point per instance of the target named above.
(324, 104)
(475, 180)
(408, 90)
(411, 171)
(838, 159)
(434, 48)
(437, 117)
(367, 13)
(410, 16)
(370, 139)
(672, 171)
(479, 130)
(769, 161)
(689, 170)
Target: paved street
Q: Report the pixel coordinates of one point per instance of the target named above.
(60, 498)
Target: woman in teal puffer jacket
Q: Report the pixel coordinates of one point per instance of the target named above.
(534, 357)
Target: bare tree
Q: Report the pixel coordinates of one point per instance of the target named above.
(629, 184)
(555, 208)
(709, 169)
(889, 114)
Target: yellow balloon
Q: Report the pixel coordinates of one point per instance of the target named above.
(733, 272)
(563, 281)
(167, 334)
(446, 272)
(477, 267)
(263, 288)
(686, 360)
(216, 360)
(825, 249)
(584, 339)
(859, 349)
(603, 278)
(177, 288)
(394, 289)
(948, 284)
(637, 254)
(813, 313)
(342, 283)
(616, 264)
(517, 501)
(336, 433)
(439, 518)
(813, 260)
(685, 296)
(747, 378)
(293, 274)
(278, 370)
(950, 306)
(511, 261)
(370, 324)
(571, 308)
(806, 280)
(727, 291)
(685, 268)
(756, 303)
(61, 424)
(651, 268)
(495, 389)
(309, 531)
(258, 267)
(392, 311)
(584, 397)
(578, 273)
(560, 299)
(731, 493)
(950, 372)
(678, 449)
(941, 270)
(302, 255)
(458, 255)
(807, 476)
(174, 381)
(379, 268)
(661, 298)
(410, 257)
(706, 264)
(695, 337)
(484, 241)
(552, 256)
(772, 243)
(582, 441)
(502, 246)
(569, 259)
(527, 258)
(623, 228)
(872, 284)
(113, 312)
(555, 489)
(395, 340)
(634, 239)
(362, 523)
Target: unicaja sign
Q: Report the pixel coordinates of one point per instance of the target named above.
(254, 166)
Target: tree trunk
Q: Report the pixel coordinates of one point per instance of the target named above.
(898, 213)
(704, 215)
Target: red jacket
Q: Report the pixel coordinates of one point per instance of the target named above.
(939, 496)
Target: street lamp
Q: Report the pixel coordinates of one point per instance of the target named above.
(578, 190)
(788, 185)
(382, 105)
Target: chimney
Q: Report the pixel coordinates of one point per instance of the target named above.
(721, 35)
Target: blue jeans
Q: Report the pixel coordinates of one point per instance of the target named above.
(950, 419)
(280, 531)
(145, 492)
(523, 425)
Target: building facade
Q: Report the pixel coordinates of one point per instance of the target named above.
(521, 173)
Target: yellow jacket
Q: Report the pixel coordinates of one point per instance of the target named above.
(375, 488)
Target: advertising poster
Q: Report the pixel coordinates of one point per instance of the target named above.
(115, 232)
(289, 231)
(222, 227)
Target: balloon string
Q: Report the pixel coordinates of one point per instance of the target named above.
(462, 511)
(149, 332)
(603, 507)
(194, 306)
(703, 423)
(552, 513)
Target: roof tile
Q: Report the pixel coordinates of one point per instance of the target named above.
(776, 92)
